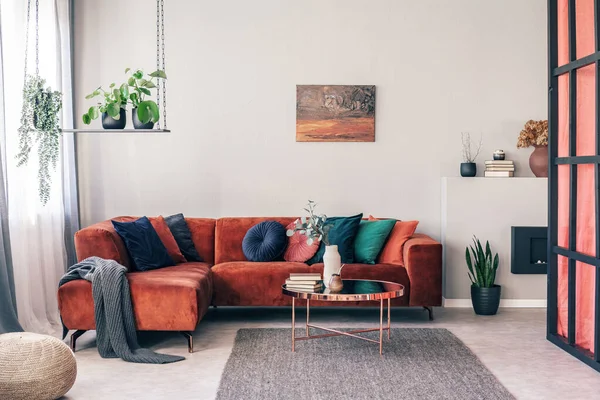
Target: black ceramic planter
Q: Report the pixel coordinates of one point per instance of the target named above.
(109, 122)
(468, 169)
(137, 124)
(485, 300)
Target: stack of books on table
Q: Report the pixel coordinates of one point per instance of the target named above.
(307, 282)
(499, 169)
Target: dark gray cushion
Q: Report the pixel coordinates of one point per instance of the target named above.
(181, 231)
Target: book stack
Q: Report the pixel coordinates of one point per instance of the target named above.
(308, 282)
(499, 169)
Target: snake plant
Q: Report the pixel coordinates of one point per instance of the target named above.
(482, 267)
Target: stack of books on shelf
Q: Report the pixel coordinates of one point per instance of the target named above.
(499, 169)
(308, 282)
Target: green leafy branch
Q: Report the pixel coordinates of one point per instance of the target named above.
(314, 227)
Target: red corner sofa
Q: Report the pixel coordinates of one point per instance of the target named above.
(176, 298)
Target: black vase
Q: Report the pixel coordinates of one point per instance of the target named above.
(109, 122)
(468, 169)
(485, 300)
(137, 124)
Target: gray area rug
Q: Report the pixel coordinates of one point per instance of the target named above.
(416, 364)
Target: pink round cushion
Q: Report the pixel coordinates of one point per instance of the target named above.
(298, 250)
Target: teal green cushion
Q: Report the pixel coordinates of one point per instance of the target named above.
(370, 239)
(342, 233)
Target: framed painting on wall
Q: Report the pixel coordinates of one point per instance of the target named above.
(335, 113)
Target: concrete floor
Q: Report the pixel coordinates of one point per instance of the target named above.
(511, 344)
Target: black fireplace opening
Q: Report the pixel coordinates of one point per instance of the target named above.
(529, 250)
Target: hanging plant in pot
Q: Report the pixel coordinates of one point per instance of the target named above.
(315, 227)
(485, 294)
(535, 133)
(40, 125)
(113, 107)
(468, 168)
(145, 113)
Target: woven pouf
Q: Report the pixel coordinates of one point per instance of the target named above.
(35, 366)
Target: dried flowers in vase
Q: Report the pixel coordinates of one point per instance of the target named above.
(534, 133)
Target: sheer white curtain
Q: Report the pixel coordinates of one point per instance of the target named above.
(37, 231)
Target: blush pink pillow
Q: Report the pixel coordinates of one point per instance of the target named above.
(298, 250)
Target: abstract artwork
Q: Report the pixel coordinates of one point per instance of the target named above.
(335, 113)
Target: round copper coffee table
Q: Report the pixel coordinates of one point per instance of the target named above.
(378, 291)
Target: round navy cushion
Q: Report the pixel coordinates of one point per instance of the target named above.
(265, 241)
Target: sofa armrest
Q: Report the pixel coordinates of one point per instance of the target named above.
(423, 263)
(103, 241)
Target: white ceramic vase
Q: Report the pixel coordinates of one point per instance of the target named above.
(333, 263)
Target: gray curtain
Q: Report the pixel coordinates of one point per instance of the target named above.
(8, 303)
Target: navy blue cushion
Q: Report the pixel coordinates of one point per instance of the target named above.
(265, 241)
(183, 236)
(144, 246)
(342, 232)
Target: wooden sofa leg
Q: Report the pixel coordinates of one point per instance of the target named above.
(190, 340)
(430, 310)
(74, 338)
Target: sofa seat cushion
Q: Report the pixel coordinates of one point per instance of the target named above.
(246, 283)
(171, 298)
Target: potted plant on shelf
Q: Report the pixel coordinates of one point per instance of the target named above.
(316, 227)
(145, 112)
(40, 124)
(485, 294)
(468, 168)
(535, 133)
(112, 107)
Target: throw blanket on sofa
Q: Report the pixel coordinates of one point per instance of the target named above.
(115, 324)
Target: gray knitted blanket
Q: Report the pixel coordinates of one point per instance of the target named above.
(116, 335)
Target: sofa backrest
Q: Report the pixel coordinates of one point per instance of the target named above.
(203, 236)
(102, 240)
(230, 232)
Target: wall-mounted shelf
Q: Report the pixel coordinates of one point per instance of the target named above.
(120, 131)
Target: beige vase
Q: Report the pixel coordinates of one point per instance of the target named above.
(538, 161)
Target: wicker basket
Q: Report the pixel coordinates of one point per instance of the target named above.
(35, 366)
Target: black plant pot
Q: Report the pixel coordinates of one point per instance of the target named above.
(468, 169)
(109, 122)
(486, 300)
(137, 124)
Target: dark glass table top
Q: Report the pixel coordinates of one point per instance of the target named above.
(354, 290)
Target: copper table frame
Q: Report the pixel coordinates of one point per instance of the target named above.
(392, 290)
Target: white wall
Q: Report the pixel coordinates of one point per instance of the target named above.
(488, 208)
(441, 67)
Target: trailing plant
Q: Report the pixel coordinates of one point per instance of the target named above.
(534, 133)
(469, 152)
(40, 125)
(314, 227)
(112, 101)
(482, 268)
(147, 110)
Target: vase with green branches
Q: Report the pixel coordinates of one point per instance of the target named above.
(316, 227)
(485, 294)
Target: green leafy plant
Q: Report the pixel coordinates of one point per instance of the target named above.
(113, 100)
(482, 267)
(147, 110)
(314, 227)
(40, 125)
